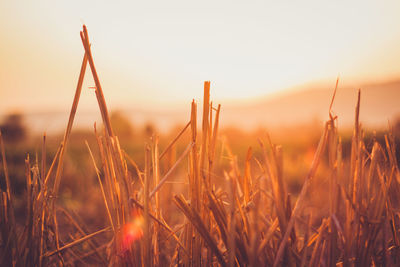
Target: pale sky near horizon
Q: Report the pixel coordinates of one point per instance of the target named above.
(153, 54)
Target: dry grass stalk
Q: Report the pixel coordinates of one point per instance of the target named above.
(147, 260)
(167, 175)
(99, 90)
(170, 145)
(77, 242)
(101, 186)
(300, 200)
(69, 125)
(196, 220)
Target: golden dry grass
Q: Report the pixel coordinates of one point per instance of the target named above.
(245, 217)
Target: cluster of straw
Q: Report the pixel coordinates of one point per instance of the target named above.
(249, 221)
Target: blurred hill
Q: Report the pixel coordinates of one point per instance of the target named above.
(380, 103)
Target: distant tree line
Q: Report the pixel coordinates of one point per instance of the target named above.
(13, 128)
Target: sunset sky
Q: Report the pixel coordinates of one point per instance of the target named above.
(152, 54)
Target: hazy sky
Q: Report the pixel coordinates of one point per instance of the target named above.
(151, 53)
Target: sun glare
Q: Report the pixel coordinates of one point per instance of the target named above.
(149, 53)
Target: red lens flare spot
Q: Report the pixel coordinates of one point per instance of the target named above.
(132, 231)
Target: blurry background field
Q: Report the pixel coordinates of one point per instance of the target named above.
(298, 137)
(293, 119)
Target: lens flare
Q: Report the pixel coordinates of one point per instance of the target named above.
(132, 231)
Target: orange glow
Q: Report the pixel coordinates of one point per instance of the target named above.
(132, 231)
(159, 53)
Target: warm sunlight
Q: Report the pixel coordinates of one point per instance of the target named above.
(150, 53)
(218, 133)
